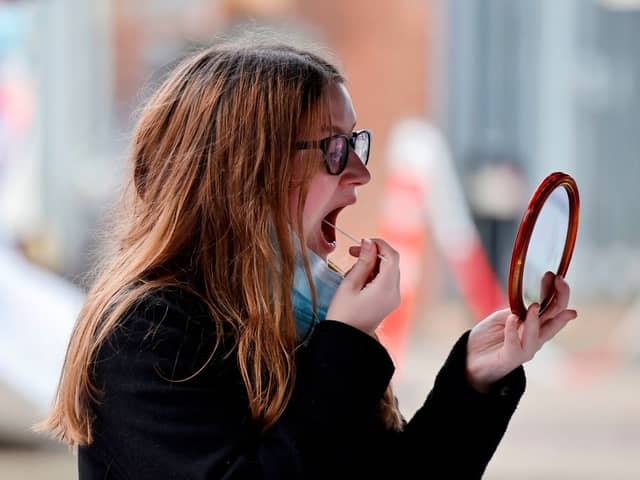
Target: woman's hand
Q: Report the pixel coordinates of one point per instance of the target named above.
(502, 341)
(370, 289)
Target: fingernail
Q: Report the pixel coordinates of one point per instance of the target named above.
(366, 244)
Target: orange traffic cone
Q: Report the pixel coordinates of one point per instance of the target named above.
(403, 227)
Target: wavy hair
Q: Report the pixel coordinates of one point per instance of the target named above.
(206, 191)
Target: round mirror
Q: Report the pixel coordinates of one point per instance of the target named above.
(544, 244)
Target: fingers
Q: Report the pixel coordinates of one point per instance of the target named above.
(546, 285)
(562, 287)
(531, 332)
(371, 288)
(561, 300)
(387, 252)
(389, 268)
(358, 275)
(384, 249)
(373, 263)
(535, 332)
(390, 256)
(355, 252)
(553, 326)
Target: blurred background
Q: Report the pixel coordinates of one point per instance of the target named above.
(472, 103)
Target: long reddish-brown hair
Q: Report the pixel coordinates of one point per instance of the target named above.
(206, 192)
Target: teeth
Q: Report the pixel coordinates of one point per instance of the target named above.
(330, 243)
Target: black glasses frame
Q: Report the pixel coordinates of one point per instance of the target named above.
(351, 143)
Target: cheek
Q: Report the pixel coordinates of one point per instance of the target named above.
(312, 204)
(318, 197)
(320, 192)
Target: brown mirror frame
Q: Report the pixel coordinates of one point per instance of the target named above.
(521, 245)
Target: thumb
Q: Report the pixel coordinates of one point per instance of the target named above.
(359, 273)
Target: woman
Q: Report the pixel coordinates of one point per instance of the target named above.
(199, 352)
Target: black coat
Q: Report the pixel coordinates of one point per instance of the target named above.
(149, 427)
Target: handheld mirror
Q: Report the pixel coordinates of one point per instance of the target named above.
(544, 243)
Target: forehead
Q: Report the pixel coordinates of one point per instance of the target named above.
(343, 115)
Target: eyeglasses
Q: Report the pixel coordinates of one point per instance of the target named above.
(335, 149)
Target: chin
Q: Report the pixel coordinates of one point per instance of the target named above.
(318, 251)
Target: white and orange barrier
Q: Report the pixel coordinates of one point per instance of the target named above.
(403, 227)
(422, 193)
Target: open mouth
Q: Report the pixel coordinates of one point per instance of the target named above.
(328, 232)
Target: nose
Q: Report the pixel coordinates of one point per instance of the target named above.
(355, 173)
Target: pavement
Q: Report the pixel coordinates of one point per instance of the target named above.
(580, 415)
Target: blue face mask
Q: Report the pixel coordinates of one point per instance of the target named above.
(326, 282)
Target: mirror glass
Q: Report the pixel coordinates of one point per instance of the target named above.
(546, 248)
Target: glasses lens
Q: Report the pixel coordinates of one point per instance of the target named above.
(361, 148)
(336, 152)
